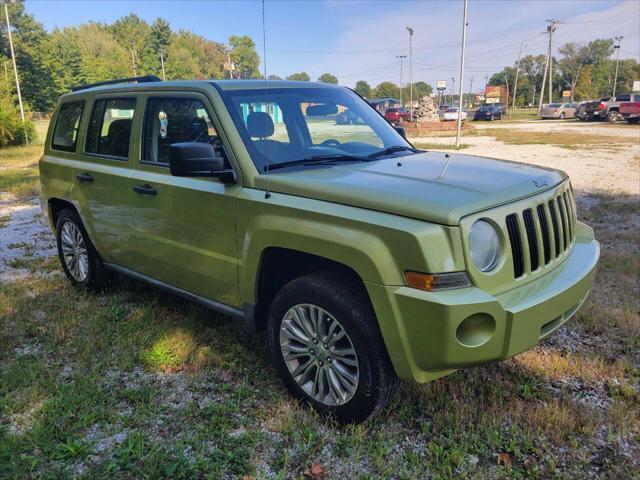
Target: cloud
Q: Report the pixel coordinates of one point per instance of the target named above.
(367, 43)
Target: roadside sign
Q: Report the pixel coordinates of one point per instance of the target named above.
(441, 84)
(432, 95)
(493, 91)
(566, 94)
(492, 100)
(636, 85)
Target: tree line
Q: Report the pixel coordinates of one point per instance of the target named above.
(586, 69)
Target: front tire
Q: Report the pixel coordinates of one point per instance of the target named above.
(81, 263)
(327, 348)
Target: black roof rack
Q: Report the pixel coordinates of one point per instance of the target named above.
(145, 79)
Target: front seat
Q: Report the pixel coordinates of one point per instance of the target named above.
(260, 125)
(117, 141)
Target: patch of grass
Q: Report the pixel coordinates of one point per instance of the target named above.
(569, 140)
(440, 146)
(19, 170)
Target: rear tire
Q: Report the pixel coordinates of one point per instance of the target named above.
(79, 259)
(561, 115)
(327, 348)
(613, 116)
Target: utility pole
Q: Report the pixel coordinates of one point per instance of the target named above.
(134, 66)
(229, 64)
(410, 30)
(615, 78)
(453, 90)
(164, 78)
(544, 76)
(470, 88)
(464, 40)
(486, 79)
(551, 28)
(15, 66)
(401, 57)
(515, 84)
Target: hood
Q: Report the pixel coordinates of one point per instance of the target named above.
(414, 186)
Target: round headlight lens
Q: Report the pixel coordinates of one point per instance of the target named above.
(484, 245)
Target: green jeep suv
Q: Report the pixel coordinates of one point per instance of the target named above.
(364, 259)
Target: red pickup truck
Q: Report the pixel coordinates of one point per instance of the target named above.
(630, 111)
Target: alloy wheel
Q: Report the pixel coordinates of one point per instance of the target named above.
(319, 354)
(74, 251)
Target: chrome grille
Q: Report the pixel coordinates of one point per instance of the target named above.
(539, 235)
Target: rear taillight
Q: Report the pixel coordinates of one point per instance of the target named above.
(601, 106)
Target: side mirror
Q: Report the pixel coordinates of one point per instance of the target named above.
(194, 159)
(401, 131)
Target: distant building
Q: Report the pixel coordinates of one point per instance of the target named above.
(381, 104)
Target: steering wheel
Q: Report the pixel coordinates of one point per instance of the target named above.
(331, 142)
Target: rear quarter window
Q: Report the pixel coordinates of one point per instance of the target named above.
(65, 132)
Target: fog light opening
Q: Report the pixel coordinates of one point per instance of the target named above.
(476, 330)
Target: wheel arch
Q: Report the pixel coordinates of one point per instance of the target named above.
(55, 207)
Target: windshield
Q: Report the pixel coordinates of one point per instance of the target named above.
(293, 124)
(485, 109)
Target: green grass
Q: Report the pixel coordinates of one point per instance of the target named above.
(19, 170)
(569, 140)
(133, 382)
(439, 146)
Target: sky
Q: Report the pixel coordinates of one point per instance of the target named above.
(360, 40)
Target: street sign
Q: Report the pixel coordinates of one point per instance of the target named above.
(636, 86)
(441, 84)
(566, 94)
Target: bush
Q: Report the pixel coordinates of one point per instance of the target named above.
(12, 130)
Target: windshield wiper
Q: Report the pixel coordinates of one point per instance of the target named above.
(395, 148)
(316, 160)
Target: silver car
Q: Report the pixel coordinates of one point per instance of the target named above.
(559, 110)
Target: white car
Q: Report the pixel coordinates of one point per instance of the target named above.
(452, 114)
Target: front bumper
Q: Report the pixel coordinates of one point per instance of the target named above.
(431, 334)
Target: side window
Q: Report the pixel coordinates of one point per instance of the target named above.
(623, 98)
(65, 133)
(175, 120)
(110, 127)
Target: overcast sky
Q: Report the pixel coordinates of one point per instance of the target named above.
(359, 40)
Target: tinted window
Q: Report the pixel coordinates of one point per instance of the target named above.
(175, 120)
(623, 98)
(110, 127)
(65, 134)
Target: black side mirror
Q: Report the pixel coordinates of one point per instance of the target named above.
(194, 159)
(401, 131)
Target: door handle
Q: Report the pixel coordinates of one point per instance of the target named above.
(145, 189)
(84, 178)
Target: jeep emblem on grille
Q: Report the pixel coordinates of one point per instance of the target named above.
(540, 184)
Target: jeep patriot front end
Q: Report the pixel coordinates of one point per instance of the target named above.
(365, 259)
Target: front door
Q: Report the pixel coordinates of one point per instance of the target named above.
(184, 227)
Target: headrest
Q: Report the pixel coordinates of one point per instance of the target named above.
(120, 126)
(260, 124)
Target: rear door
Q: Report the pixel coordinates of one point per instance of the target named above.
(184, 227)
(101, 177)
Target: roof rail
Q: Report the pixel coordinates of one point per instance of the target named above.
(145, 79)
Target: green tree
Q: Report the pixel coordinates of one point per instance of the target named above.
(273, 77)
(420, 89)
(102, 57)
(300, 76)
(134, 35)
(158, 41)
(36, 82)
(328, 78)
(363, 88)
(574, 58)
(245, 57)
(386, 90)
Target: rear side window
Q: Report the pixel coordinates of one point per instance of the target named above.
(623, 98)
(65, 133)
(175, 120)
(110, 127)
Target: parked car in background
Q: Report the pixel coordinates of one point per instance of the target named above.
(488, 112)
(398, 114)
(630, 111)
(452, 114)
(609, 108)
(442, 108)
(347, 118)
(363, 268)
(501, 107)
(559, 110)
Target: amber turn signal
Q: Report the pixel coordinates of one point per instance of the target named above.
(432, 282)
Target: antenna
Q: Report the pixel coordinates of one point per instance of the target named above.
(264, 60)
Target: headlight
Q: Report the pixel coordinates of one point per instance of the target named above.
(484, 245)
